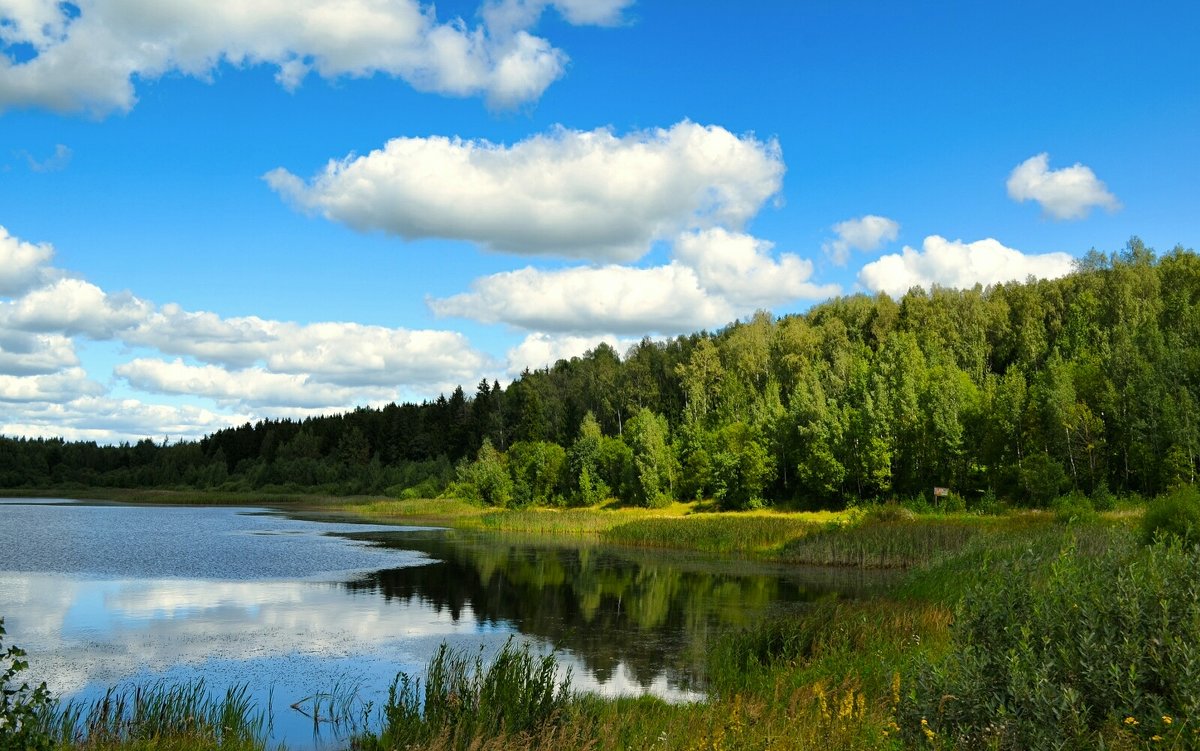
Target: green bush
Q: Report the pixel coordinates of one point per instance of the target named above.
(1055, 650)
(24, 711)
(1073, 508)
(1176, 514)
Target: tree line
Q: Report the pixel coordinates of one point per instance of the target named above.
(1020, 391)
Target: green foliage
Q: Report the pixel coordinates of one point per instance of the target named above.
(741, 468)
(1074, 508)
(465, 700)
(586, 478)
(1055, 650)
(485, 480)
(653, 465)
(24, 710)
(1176, 514)
(537, 469)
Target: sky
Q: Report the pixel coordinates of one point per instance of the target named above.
(214, 212)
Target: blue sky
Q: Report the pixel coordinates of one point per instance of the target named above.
(216, 211)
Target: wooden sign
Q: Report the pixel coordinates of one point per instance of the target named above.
(938, 492)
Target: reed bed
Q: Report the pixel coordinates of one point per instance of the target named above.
(726, 533)
(882, 544)
(162, 716)
(467, 703)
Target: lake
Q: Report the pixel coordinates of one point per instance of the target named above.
(107, 594)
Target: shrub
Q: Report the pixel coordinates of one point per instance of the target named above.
(1073, 508)
(24, 711)
(1176, 514)
(1056, 650)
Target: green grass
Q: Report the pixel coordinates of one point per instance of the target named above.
(726, 533)
(162, 717)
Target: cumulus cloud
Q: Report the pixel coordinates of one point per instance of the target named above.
(74, 306)
(87, 55)
(740, 269)
(866, 233)
(539, 349)
(1067, 193)
(66, 384)
(105, 420)
(957, 264)
(250, 365)
(23, 353)
(22, 264)
(579, 194)
(623, 299)
(715, 277)
(256, 387)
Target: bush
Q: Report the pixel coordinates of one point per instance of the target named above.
(1073, 508)
(1176, 514)
(24, 711)
(1056, 650)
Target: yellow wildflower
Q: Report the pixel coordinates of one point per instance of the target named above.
(1167, 719)
(1156, 738)
(1130, 721)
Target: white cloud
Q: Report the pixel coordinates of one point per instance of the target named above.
(623, 299)
(867, 233)
(250, 365)
(580, 194)
(106, 420)
(539, 349)
(252, 387)
(88, 60)
(740, 269)
(74, 306)
(349, 354)
(957, 264)
(22, 264)
(1067, 193)
(66, 384)
(715, 277)
(23, 353)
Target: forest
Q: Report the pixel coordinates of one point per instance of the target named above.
(1019, 392)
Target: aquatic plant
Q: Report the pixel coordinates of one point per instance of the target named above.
(466, 701)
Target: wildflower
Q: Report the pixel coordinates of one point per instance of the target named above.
(895, 688)
(1130, 721)
(1156, 738)
(1167, 719)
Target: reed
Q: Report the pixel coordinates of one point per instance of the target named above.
(163, 716)
(725, 533)
(467, 702)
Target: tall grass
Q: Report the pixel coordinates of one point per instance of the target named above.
(882, 544)
(712, 534)
(467, 703)
(162, 716)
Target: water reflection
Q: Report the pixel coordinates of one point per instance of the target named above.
(100, 595)
(647, 615)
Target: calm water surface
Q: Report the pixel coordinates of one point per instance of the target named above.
(100, 595)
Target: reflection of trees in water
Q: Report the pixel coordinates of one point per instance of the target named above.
(654, 614)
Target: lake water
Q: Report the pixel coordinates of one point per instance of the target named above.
(102, 595)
